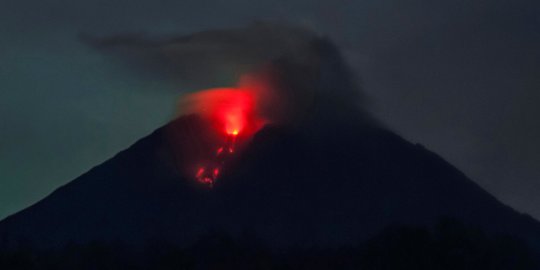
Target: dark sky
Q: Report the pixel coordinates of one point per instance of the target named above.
(461, 77)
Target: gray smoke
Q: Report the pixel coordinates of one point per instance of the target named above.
(306, 70)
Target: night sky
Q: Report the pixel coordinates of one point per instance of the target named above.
(460, 77)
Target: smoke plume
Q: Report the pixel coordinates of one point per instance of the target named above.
(258, 75)
(300, 75)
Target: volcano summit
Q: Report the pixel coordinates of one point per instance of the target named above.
(315, 171)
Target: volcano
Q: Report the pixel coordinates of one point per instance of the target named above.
(291, 186)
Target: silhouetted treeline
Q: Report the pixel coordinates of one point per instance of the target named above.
(450, 245)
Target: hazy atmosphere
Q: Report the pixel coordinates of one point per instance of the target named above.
(460, 77)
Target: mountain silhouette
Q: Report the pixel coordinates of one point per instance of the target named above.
(321, 184)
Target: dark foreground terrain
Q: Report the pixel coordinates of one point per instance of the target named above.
(450, 245)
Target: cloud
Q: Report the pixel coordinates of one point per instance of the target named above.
(305, 71)
(207, 57)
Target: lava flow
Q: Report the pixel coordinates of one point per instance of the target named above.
(208, 174)
(233, 117)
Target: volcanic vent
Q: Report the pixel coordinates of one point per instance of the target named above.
(231, 117)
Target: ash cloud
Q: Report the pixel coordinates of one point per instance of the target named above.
(305, 70)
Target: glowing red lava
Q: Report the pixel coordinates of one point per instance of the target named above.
(233, 115)
(208, 173)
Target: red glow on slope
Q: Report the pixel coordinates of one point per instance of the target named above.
(200, 172)
(234, 117)
(230, 110)
(236, 110)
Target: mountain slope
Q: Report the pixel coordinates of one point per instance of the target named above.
(292, 186)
